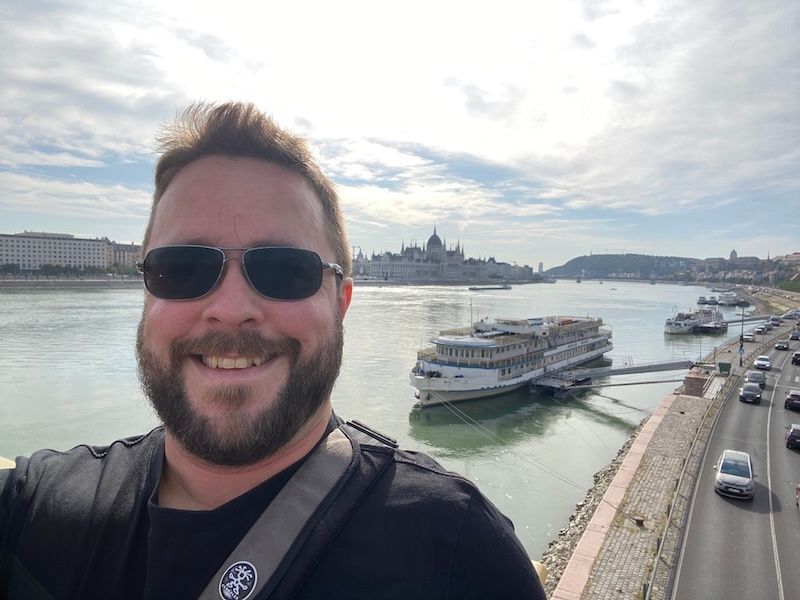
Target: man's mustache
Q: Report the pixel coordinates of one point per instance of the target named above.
(243, 343)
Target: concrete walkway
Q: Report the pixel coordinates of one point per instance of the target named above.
(638, 525)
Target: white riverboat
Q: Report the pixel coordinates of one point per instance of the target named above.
(495, 357)
(728, 299)
(703, 320)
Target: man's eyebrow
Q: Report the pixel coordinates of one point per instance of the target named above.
(196, 241)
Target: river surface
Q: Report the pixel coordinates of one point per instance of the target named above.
(68, 376)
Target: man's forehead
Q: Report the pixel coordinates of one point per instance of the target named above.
(249, 199)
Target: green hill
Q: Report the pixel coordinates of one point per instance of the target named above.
(638, 266)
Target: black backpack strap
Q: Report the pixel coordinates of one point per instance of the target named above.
(377, 455)
(258, 561)
(293, 531)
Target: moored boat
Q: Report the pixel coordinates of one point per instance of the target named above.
(728, 299)
(703, 320)
(702, 300)
(495, 357)
(682, 322)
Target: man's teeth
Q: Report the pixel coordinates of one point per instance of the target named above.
(225, 362)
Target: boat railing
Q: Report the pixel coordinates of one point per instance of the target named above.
(566, 328)
(456, 331)
(426, 354)
(483, 363)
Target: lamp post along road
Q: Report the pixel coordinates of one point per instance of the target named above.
(741, 340)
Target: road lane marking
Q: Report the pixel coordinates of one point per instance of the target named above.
(769, 490)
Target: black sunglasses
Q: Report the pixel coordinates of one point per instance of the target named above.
(190, 272)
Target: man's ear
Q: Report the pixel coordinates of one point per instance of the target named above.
(344, 296)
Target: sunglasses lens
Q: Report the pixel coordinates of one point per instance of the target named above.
(182, 272)
(284, 273)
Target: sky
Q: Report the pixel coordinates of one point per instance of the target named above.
(529, 131)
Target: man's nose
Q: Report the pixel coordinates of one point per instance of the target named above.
(234, 302)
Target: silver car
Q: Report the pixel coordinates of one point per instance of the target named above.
(735, 477)
(762, 362)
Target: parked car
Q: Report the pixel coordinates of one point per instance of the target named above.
(735, 474)
(782, 345)
(796, 358)
(792, 401)
(749, 337)
(750, 392)
(756, 377)
(792, 436)
(795, 334)
(762, 362)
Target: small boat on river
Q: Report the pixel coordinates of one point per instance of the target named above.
(481, 288)
(495, 357)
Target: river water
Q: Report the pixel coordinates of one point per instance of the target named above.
(68, 376)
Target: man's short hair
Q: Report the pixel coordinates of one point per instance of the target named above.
(239, 129)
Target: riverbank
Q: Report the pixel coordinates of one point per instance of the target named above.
(55, 283)
(627, 546)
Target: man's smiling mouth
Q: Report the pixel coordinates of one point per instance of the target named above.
(226, 362)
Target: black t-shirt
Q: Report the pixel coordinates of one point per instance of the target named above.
(85, 524)
(183, 544)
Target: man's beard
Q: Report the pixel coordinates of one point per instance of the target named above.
(241, 439)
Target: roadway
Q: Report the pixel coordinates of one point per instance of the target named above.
(747, 549)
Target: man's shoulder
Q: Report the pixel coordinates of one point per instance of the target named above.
(413, 472)
(87, 464)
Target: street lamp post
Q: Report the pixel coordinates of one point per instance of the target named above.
(741, 340)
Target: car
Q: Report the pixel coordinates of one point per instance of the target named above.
(795, 335)
(775, 320)
(749, 337)
(762, 362)
(750, 392)
(756, 377)
(767, 326)
(735, 477)
(792, 401)
(760, 329)
(796, 358)
(792, 436)
(782, 345)
(792, 314)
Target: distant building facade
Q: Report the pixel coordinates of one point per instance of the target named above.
(434, 263)
(31, 250)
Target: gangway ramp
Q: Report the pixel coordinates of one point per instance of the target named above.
(565, 379)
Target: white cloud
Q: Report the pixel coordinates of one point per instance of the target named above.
(598, 112)
(47, 196)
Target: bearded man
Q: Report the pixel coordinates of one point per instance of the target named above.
(252, 487)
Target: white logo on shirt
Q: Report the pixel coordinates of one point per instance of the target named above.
(238, 581)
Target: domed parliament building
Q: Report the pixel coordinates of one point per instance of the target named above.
(434, 263)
